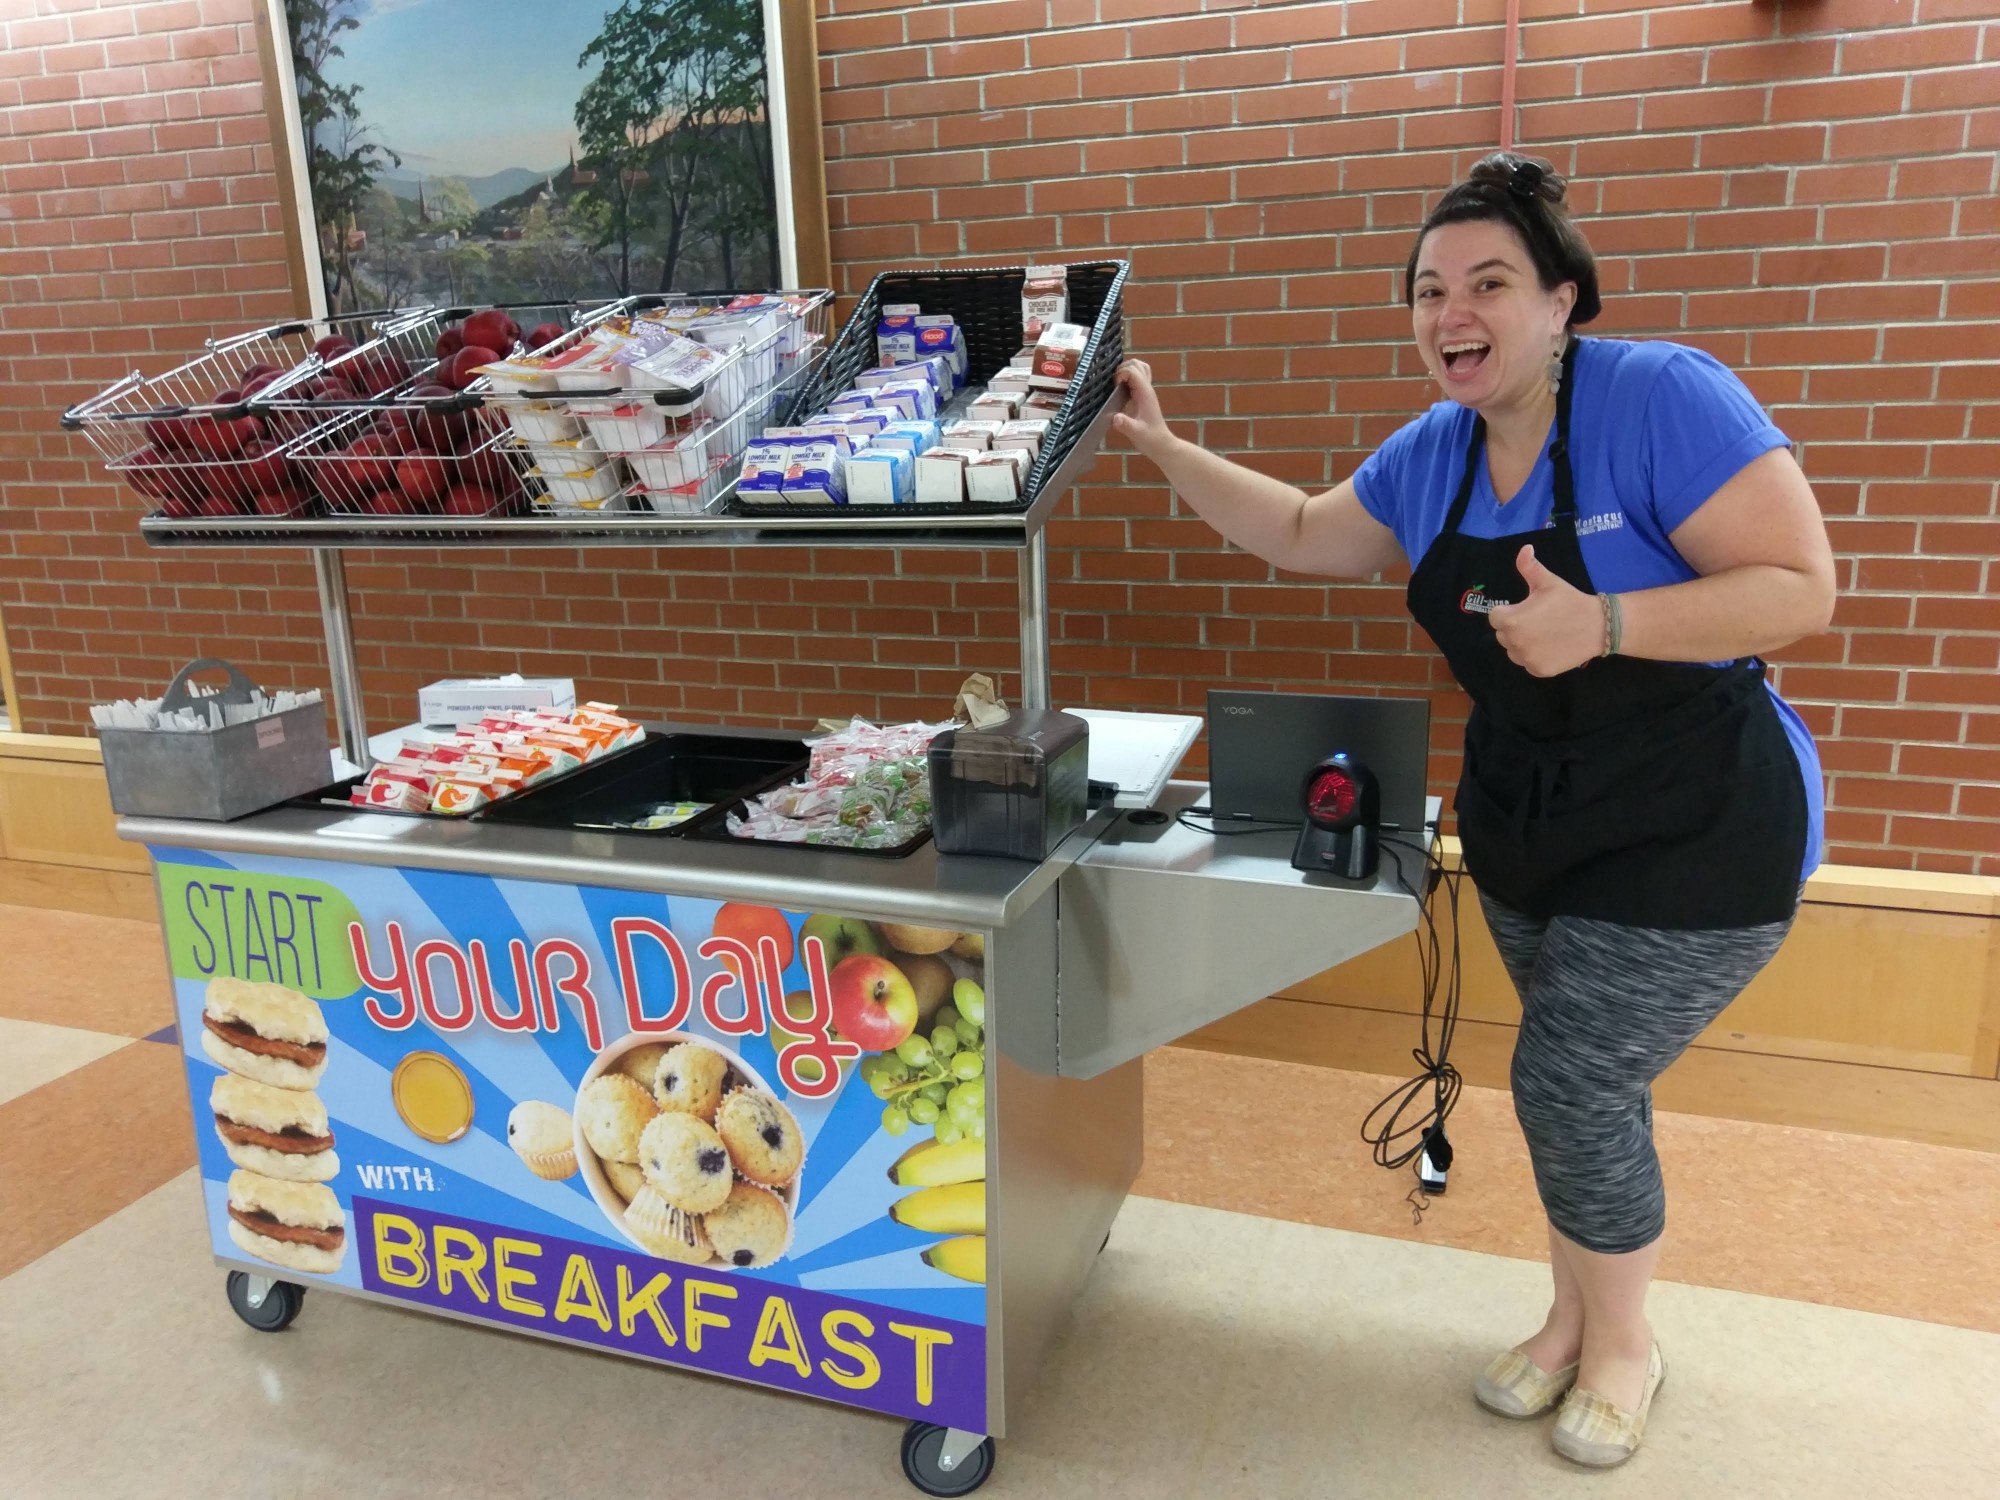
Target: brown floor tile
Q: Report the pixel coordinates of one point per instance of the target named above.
(1849, 1221)
(83, 1146)
(99, 973)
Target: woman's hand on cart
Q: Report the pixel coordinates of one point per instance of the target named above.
(1142, 423)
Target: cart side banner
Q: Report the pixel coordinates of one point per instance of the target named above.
(787, 1337)
(241, 924)
(762, 1098)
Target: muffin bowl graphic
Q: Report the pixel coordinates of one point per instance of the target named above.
(673, 1142)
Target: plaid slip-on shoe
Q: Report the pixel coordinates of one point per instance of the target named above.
(1594, 1433)
(1515, 1386)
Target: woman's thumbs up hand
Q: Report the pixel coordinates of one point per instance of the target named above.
(1556, 629)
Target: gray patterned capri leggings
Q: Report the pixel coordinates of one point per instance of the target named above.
(1604, 1009)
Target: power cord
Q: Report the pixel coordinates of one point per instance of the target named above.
(1405, 1129)
(1398, 1137)
(1243, 826)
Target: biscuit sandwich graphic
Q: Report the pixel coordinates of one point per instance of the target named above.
(297, 1225)
(264, 1032)
(279, 1133)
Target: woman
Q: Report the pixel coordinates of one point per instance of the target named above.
(1605, 535)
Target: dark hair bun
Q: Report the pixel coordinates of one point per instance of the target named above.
(1527, 179)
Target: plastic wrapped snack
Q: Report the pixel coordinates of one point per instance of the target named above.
(866, 787)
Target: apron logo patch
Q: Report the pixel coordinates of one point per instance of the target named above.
(1475, 601)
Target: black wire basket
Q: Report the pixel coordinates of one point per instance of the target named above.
(985, 302)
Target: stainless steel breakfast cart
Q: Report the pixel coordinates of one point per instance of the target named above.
(1125, 939)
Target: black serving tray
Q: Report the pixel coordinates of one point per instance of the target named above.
(676, 766)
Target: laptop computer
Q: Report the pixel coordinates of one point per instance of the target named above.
(1261, 745)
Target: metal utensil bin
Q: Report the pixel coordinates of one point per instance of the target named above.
(215, 774)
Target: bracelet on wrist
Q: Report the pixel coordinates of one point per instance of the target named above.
(1614, 624)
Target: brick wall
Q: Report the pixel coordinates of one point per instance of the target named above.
(1807, 190)
(138, 212)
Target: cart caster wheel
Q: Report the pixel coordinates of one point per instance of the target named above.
(267, 1309)
(936, 1460)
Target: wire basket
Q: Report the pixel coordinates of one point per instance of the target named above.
(414, 457)
(985, 302)
(174, 442)
(662, 449)
(420, 442)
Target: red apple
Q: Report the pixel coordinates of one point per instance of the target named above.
(450, 342)
(227, 397)
(220, 505)
(874, 1005)
(395, 436)
(424, 477)
(463, 368)
(265, 466)
(490, 470)
(439, 429)
(260, 368)
(390, 503)
(364, 468)
(333, 346)
(255, 383)
(228, 481)
(544, 334)
(217, 437)
(378, 372)
(469, 500)
(281, 502)
(160, 476)
(168, 432)
(491, 329)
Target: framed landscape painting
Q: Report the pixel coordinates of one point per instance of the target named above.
(508, 151)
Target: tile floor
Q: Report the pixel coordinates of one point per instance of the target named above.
(1267, 1321)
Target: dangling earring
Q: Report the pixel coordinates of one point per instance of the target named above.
(1556, 371)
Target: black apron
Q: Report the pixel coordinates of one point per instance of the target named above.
(1654, 794)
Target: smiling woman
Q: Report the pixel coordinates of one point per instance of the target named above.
(1603, 535)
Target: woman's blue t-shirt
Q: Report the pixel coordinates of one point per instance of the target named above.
(1655, 429)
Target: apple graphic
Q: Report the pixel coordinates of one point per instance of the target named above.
(873, 1004)
(843, 937)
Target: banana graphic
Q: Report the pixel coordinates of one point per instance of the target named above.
(957, 1209)
(964, 1257)
(934, 1164)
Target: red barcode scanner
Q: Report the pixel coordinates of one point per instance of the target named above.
(1343, 807)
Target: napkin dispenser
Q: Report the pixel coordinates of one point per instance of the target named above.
(1015, 788)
